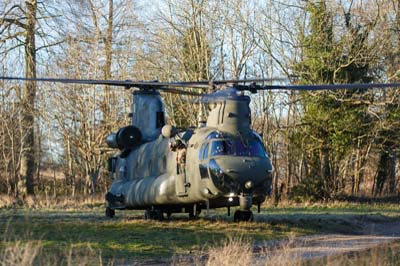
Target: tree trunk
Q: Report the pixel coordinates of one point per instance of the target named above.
(381, 173)
(325, 170)
(391, 170)
(275, 189)
(27, 169)
(288, 160)
(386, 172)
(108, 64)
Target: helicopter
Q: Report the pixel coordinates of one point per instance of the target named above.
(221, 163)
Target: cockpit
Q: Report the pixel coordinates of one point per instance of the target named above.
(229, 161)
(237, 147)
(219, 145)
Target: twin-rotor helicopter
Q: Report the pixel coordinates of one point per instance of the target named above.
(220, 163)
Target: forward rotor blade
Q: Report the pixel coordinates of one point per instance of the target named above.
(236, 91)
(330, 86)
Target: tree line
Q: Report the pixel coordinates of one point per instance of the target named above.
(322, 144)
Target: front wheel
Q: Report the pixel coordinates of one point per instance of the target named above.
(243, 216)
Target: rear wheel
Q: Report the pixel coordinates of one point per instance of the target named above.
(243, 216)
(110, 212)
(194, 214)
(153, 215)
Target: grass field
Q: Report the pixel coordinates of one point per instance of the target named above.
(81, 234)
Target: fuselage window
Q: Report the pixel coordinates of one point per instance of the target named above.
(164, 163)
(150, 167)
(160, 119)
(221, 147)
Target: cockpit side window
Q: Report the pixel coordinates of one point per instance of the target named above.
(257, 149)
(201, 152)
(213, 135)
(205, 154)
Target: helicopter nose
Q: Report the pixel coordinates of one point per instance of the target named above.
(247, 172)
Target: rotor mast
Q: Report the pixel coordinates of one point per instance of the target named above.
(148, 113)
(231, 113)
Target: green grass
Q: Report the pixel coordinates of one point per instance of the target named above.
(128, 236)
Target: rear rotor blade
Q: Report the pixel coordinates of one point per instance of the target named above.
(180, 91)
(150, 85)
(205, 84)
(120, 83)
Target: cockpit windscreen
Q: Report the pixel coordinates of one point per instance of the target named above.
(232, 147)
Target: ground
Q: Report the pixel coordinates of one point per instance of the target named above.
(65, 234)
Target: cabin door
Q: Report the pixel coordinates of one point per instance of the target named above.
(180, 185)
(180, 182)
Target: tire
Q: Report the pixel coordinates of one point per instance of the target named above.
(243, 216)
(194, 214)
(110, 212)
(153, 215)
(158, 215)
(147, 215)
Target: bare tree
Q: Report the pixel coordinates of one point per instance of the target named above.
(86, 116)
(20, 21)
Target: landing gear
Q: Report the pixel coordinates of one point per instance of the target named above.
(110, 212)
(194, 212)
(153, 215)
(194, 215)
(243, 216)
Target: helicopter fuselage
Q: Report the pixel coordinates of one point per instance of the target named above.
(219, 170)
(226, 164)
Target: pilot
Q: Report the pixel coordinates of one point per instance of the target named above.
(180, 149)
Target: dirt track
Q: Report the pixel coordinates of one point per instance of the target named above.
(311, 247)
(293, 251)
(303, 250)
